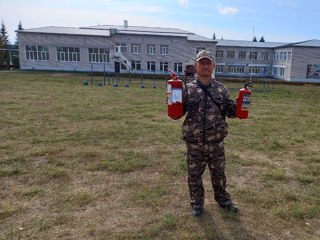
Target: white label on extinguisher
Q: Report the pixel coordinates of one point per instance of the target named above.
(169, 99)
(176, 95)
(246, 101)
(168, 88)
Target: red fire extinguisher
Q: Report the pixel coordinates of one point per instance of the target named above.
(175, 96)
(244, 102)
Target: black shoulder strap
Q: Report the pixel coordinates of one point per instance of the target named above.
(205, 90)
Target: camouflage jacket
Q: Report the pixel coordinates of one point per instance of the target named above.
(205, 119)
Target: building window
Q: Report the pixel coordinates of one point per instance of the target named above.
(151, 66)
(231, 54)
(124, 65)
(164, 49)
(120, 47)
(242, 55)
(255, 70)
(199, 49)
(274, 71)
(99, 55)
(178, 67)
(219, 68)
(219, 54)
(281, 56)
(136, 48)
(68, 54)
(281, 73)
(278, 72)
(136, 65)
(258, 70)
(164, 66)
(236, 69)
(289, 56)
(151, 49)
(239, 69)
(38, 53)
(265, 56)
(253, 55)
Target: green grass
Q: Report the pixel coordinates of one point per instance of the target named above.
(88, 162)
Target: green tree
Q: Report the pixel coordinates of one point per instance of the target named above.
(5, 44)
(16, 44)
(255, 39)
(214, 36)
(262, 39)
(4, 35)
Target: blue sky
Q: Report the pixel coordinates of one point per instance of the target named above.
(275, 20)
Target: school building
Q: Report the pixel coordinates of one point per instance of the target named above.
(151, 50)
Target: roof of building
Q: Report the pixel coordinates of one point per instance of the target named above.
(244, 43)
(67, 30)
(105, 30)
(155, 31)
(308, 43)
(139, 29)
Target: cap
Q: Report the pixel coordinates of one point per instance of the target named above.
(204, 54)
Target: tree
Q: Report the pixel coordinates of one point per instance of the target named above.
(4, 36)
(214, 36)
(5, 44)
(2, 53)
(262, 39)
(255, 39)
(16, 44)
(1, 43)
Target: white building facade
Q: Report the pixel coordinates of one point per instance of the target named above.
(110, 48)
(151, 50)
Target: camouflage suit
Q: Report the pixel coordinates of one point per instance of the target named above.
(204, 130)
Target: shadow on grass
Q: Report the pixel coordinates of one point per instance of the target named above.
(223, 226)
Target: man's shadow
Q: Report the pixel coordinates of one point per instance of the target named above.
(219, 224)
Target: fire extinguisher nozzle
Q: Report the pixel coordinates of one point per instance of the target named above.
(246, 85)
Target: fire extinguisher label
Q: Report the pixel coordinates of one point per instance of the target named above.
(176, 95)
(168, 88)
(169, 99)
(246, 101)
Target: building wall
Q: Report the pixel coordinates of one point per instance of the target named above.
(246, 62)
(52, 41)
(282, 63)
(180, 50)
(301, 58)
(286, 63)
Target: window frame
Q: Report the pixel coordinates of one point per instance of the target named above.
(135, 48)
(99, 55)
(151, 66)
(151, 49)
(37, 52)
(164, 66)
(68, 54)
(164, 49)
(231, 54)
(219, 54)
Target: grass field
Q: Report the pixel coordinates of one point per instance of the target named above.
(88, 162)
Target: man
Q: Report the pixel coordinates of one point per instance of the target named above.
(204, 129)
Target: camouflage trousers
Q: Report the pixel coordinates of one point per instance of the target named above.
(198, 157)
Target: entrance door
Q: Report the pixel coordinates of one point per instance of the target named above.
(117, 67)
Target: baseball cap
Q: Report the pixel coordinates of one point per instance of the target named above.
(204, 54)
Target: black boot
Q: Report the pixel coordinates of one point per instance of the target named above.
(197, 210)
(230, 207)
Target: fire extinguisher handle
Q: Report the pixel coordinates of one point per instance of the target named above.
(246, 85)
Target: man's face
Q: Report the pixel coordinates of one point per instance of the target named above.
(204, 67)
